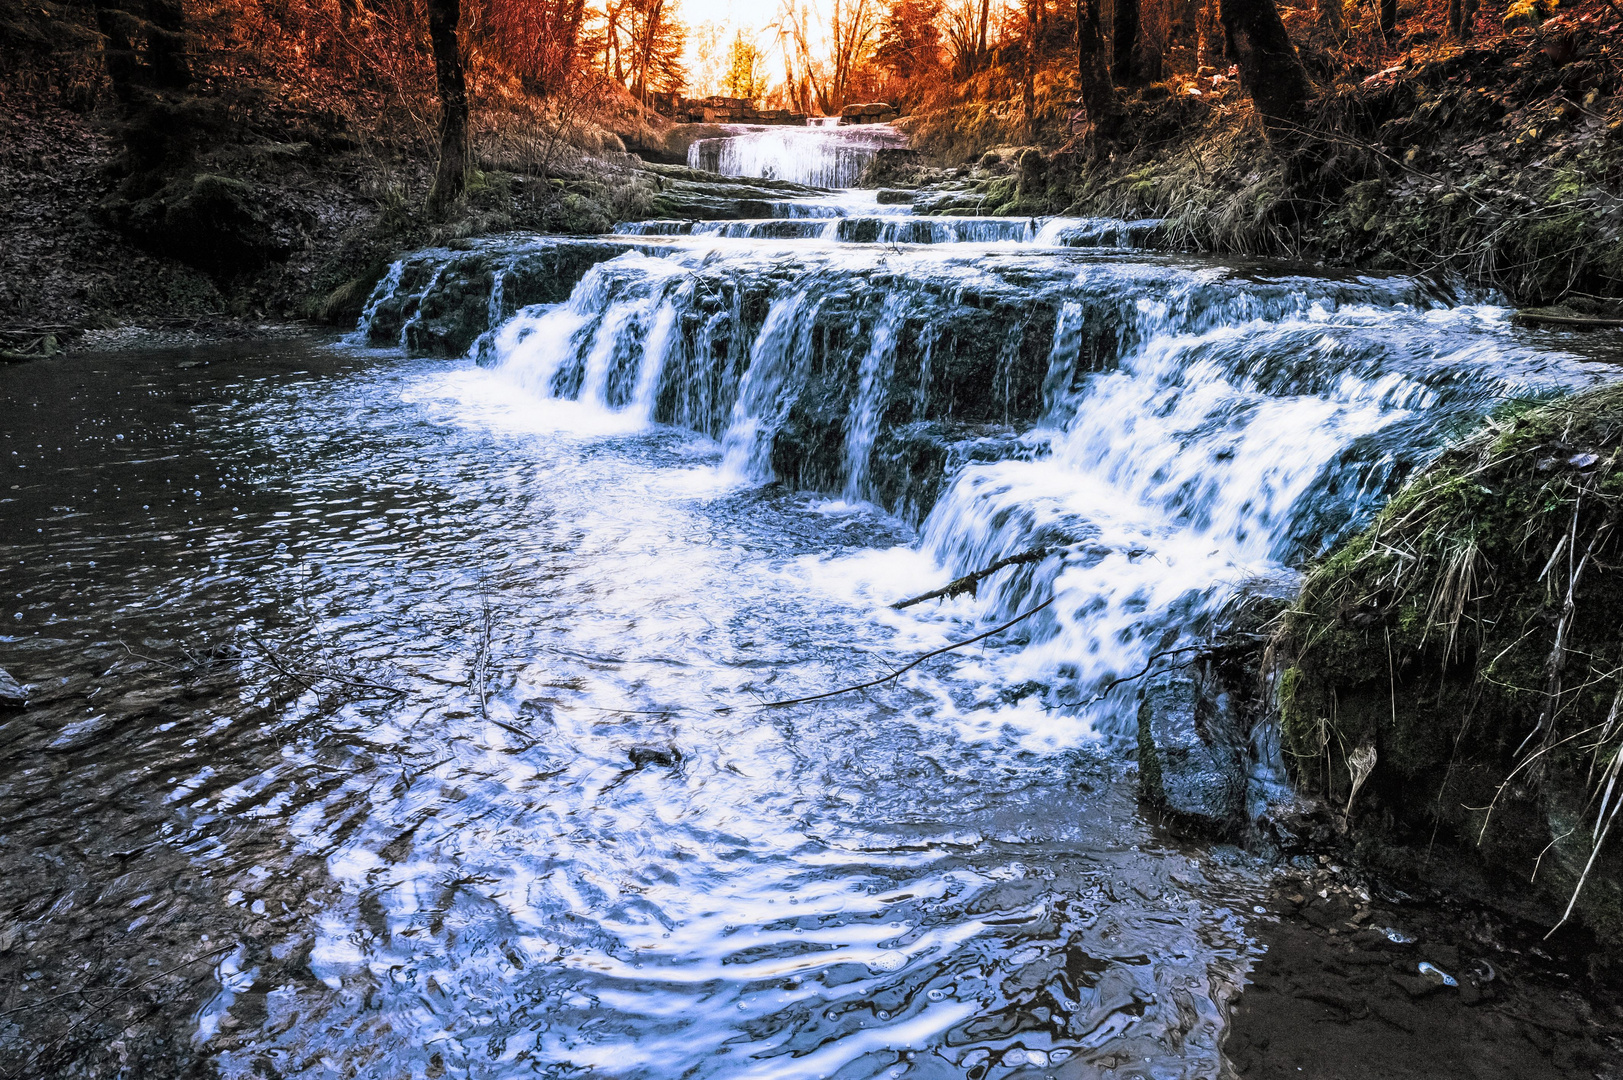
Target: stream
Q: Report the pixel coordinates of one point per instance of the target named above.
(431, 700)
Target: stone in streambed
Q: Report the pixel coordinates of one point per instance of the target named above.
(1189, 774)
(12, 693)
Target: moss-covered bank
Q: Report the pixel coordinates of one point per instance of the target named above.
(1472, 638)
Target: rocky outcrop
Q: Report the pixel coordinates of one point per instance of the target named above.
(439, 301)
(684, 193)
(873, 112)
(1462, 654)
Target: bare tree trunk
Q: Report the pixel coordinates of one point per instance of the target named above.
(1332, 16)
(1106, 116)
(1183, 36)
(1028, 89)
(1270, 70)
(1462, 18)
(452, 177)
(980, 37)
(1124, 44)
(645, 51)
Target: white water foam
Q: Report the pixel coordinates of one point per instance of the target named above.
(832, 157)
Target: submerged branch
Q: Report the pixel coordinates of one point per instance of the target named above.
(1148, 664)
(910, 666)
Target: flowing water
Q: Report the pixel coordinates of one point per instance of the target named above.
(447, 685)
(827, 157)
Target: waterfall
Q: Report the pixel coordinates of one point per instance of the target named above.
(832, 157)
(1172, 429)
(899, 228)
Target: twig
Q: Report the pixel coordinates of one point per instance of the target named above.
(1148, 664)
(1594, 322)
(907, 667)
(967, 583)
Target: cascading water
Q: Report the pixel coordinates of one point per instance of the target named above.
(827, 157)
(1171, 430)
(501, 767)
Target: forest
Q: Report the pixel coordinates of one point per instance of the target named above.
(1389, 137)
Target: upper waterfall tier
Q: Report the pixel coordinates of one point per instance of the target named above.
(904, 229)
(827, 157)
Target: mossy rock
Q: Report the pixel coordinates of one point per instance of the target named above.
(1470, 636)
(217, 223)
(576, 214)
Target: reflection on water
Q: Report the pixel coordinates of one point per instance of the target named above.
(448, 699)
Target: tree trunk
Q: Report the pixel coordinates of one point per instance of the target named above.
(1105, 113)
(1462, 18)
(1183, 36)
(1124, 44)
(980, 37)
(1270, 70)
(1033, 43)
(1333, 17)
(645, 51)
(451, 81)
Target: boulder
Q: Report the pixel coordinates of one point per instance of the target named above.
(893, 167)
(1191, 768)
(216, 223)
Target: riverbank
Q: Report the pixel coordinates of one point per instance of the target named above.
(1494, 162)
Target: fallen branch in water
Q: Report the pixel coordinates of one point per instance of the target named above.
(1148, 664)
(968, 582)
(312, 679)
(908, 667)
(1594, 322)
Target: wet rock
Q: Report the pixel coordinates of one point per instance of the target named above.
(689, 193)
(912, 463)
(668, 757)
(894, 167)
(439, 303)
(13, 695)
(1192, 775)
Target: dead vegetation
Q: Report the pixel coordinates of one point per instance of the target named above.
(1469, 636)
